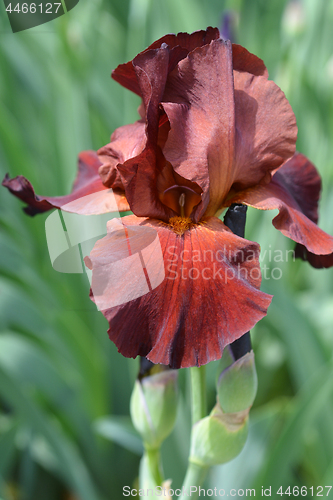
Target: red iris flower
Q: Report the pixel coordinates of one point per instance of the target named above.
(213, 131)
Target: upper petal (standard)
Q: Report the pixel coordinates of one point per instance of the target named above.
(199, 102)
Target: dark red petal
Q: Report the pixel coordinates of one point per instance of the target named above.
(199, 102)
(266, 129)
(316, 261)
(87, 182)
(294, 191)
(301, 178)
(243, 60)
(140, 179)
(209, 297)
(125, 73)
(140, 174)
(125, 143)
(151, 70)
(188, 41)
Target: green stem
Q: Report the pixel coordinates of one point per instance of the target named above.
(198, 393)
(154, 463)
(195, 476)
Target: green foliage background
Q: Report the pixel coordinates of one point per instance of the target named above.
(64, 389)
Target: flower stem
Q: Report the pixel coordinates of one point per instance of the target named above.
(235, 219)
(153, 456)
(195, 476)
(195, 473)
(198, 393)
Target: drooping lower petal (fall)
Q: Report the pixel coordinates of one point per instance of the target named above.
(86, 183)
(294, 191)
(208, 298)
(304, 182)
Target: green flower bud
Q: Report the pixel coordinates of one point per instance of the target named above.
(218, 438)
(154, 406)
(237, 385)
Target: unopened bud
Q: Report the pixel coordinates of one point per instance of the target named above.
(237, 385)
(154, 406)
(218, 438)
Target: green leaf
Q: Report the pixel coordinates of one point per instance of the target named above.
(120, 430)
(307, 406)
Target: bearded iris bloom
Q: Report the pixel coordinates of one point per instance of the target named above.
(213, 131)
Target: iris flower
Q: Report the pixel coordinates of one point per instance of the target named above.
(213, 131)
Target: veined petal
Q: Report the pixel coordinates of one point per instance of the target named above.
(140, 179)
(294, 191)
(208, 298)
(125, 73)
(126, 142)
(199, 102)
(86, 183)
(304, 182)
(266, 130)
(139, 174)
(151, 69)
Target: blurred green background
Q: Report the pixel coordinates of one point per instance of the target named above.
(64, 389)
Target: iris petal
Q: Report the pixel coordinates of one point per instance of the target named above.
(209, 297)
(87, 182)
(294, 191)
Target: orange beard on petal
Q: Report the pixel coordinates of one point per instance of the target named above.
(184, 297)
(180, 224)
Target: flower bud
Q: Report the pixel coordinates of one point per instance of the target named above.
(218, 438)
(237, 385)
(154, 406)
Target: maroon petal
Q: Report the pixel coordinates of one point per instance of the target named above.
(87, 182)
(125, 73)
(209, 297)
(243, 60)
(126, 142)
(294, 191)
(140, 174)
(151, 69)
(266, 129)
(140, 179)
(301, 178)
(199, 102)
